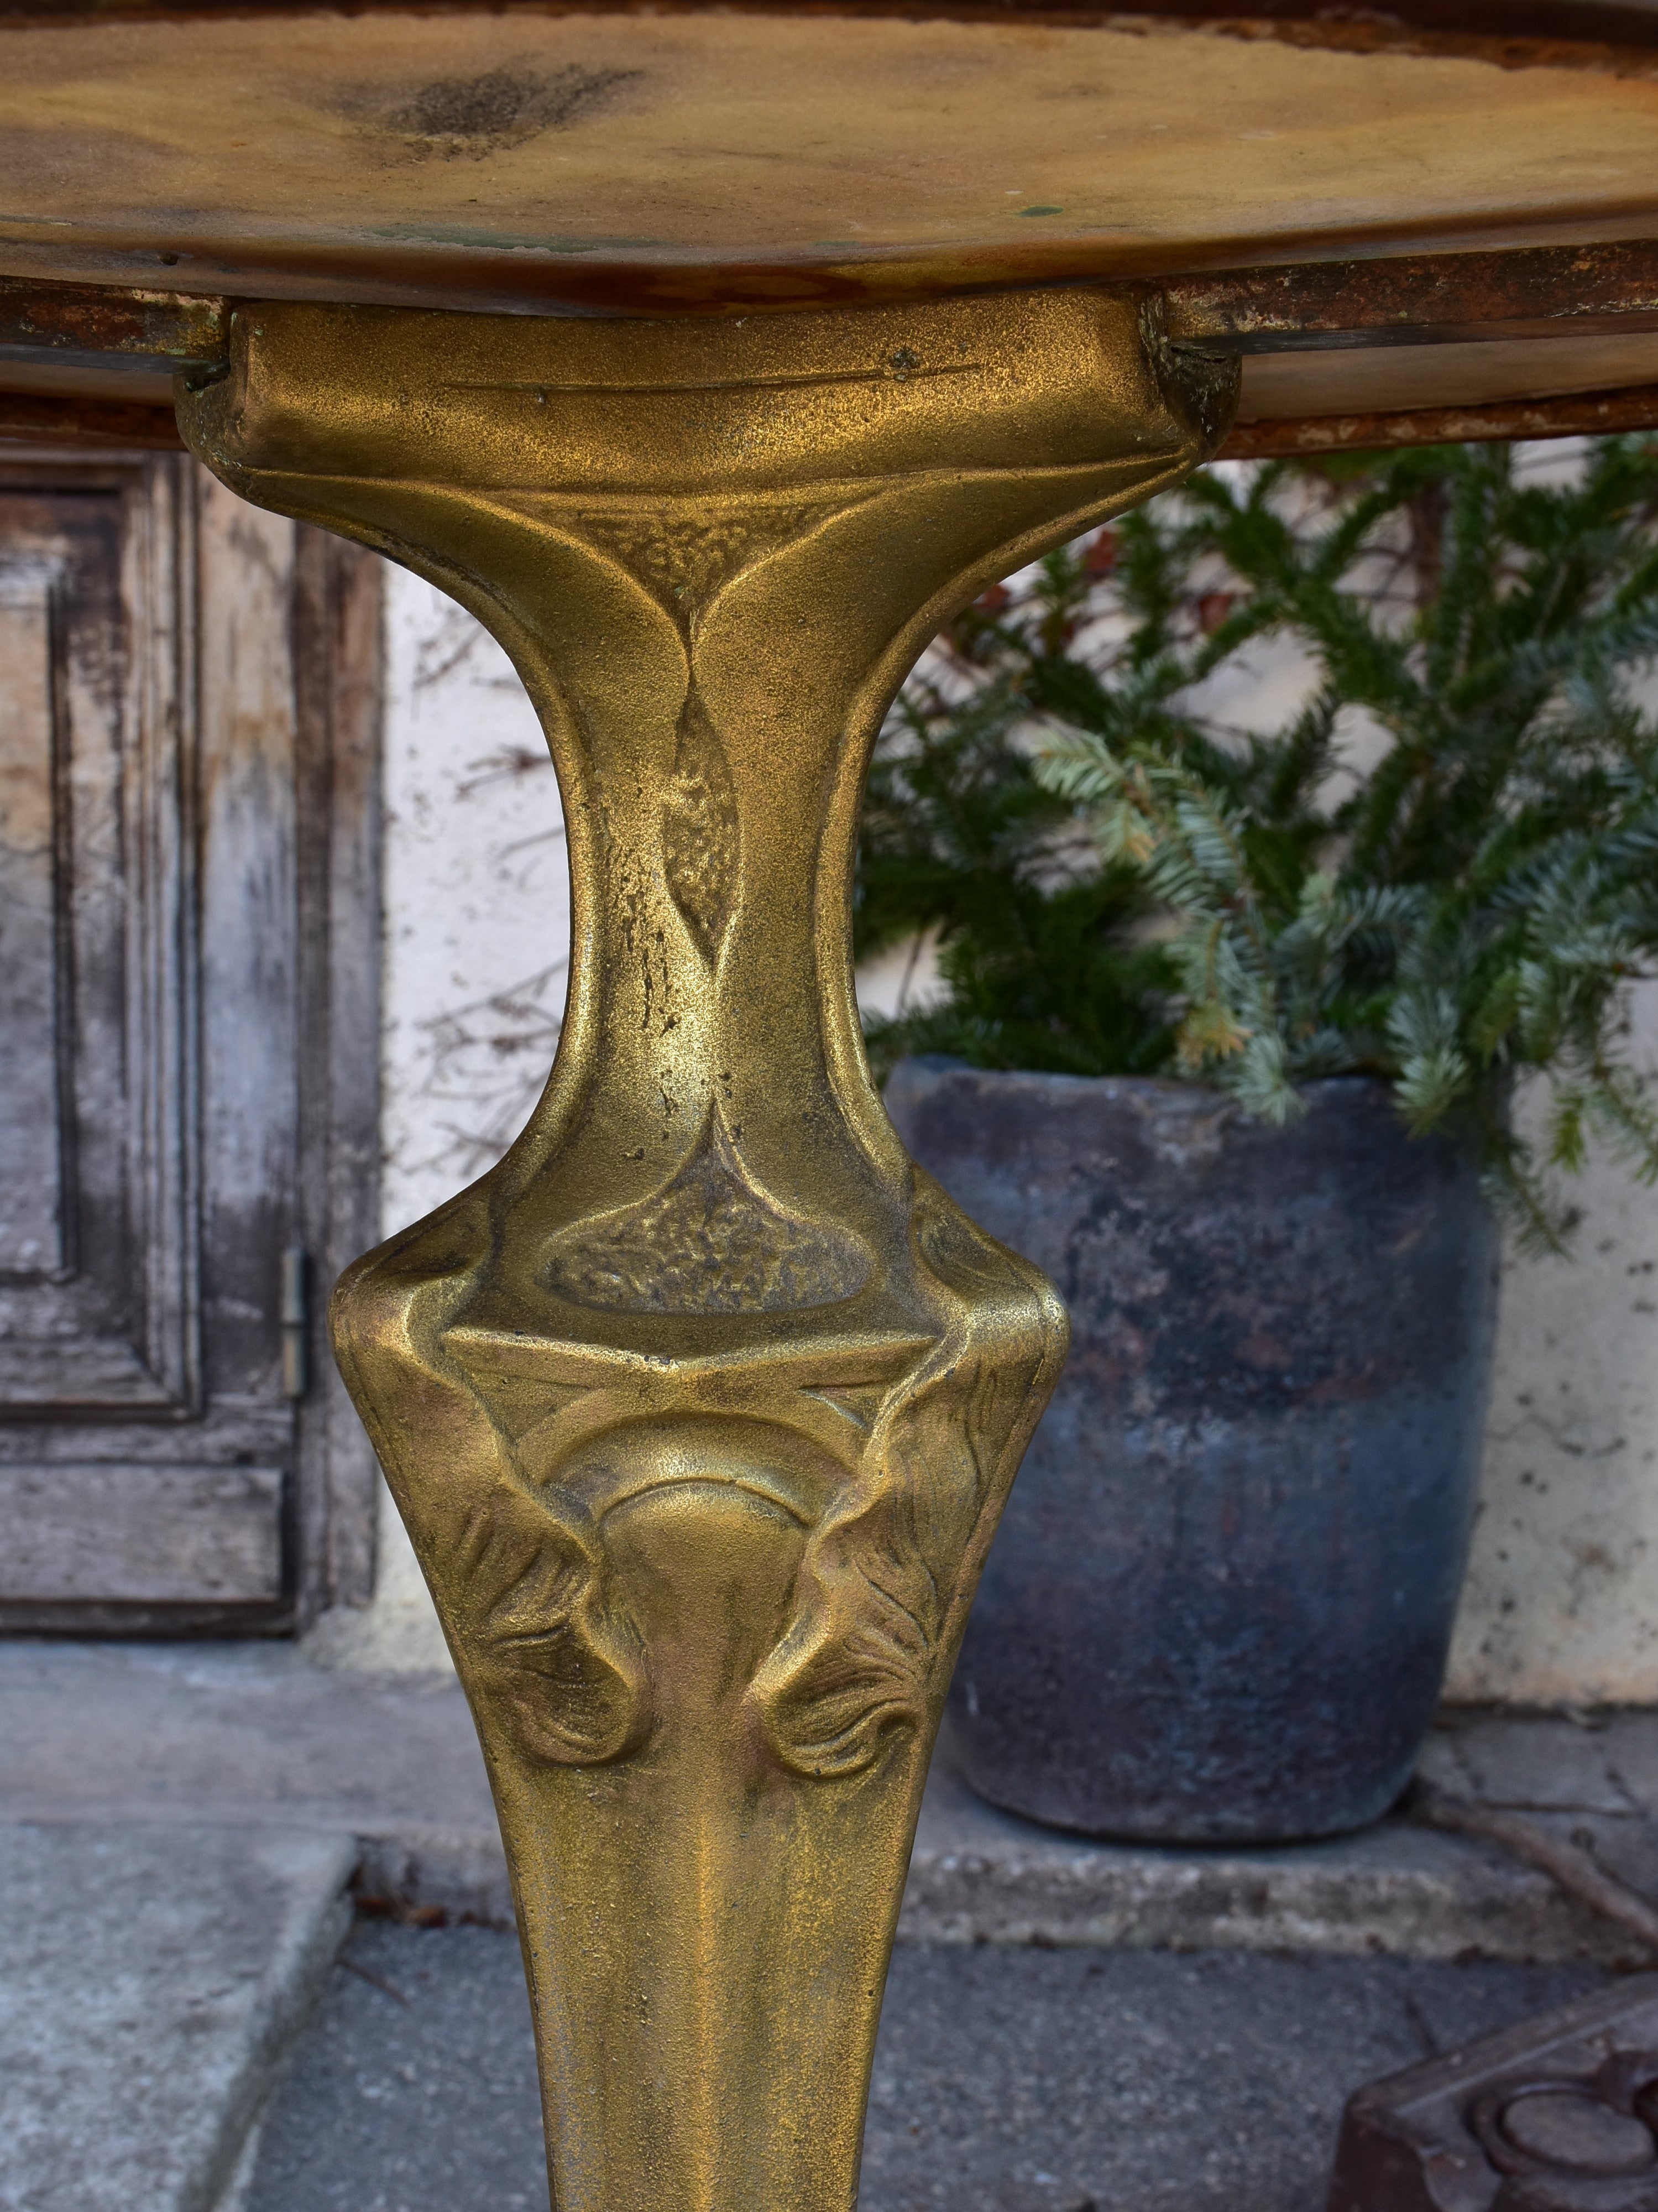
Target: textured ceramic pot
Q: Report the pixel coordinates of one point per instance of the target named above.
(1220, 1600)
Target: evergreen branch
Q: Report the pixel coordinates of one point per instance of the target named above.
(1459, 899)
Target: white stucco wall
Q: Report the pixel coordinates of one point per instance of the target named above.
(1561, 1603)
(1562, 1600)
(477, 938)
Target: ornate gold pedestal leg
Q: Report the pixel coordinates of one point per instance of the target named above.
(701, 1407)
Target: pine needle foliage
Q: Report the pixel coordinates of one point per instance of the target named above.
(1440, 868)
(1034, 938)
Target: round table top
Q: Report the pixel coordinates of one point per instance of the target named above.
(1396, 214)
(547, 157)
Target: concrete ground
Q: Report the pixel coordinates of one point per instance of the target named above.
(1007, 2080)
(1144, 2027)
(256, 1738)
(152, 1986)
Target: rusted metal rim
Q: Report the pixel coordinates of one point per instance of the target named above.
(1414, 299)
(1577, 414)
(1514, 34)
(1418, 298)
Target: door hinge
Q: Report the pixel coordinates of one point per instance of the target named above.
(295, 1315)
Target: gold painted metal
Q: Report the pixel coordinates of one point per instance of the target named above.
(701, 1407)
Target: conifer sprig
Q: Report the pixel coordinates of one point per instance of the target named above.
(1442, 869)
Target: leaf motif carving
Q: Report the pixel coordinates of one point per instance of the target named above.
(529, 1616)
(702, 845)
(887, 1577)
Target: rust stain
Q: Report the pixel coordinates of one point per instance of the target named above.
(94, 318)
(1526, 291)
(1578, 414)
(39, 420)
(1306, 304)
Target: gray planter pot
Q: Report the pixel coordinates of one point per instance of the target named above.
(1219, 1603)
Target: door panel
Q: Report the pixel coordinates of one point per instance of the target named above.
(98, 1313)
(33, 1247)
(106, 1532)
(180, 679)
(250, 938)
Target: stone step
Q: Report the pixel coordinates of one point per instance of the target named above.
(979, 1876)
(257, 1737)
(151, 1982)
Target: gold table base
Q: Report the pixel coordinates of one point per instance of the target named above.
(701, 1407)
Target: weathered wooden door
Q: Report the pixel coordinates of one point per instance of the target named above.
(188, 1038)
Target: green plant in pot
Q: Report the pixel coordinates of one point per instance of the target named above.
(1274, 847)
